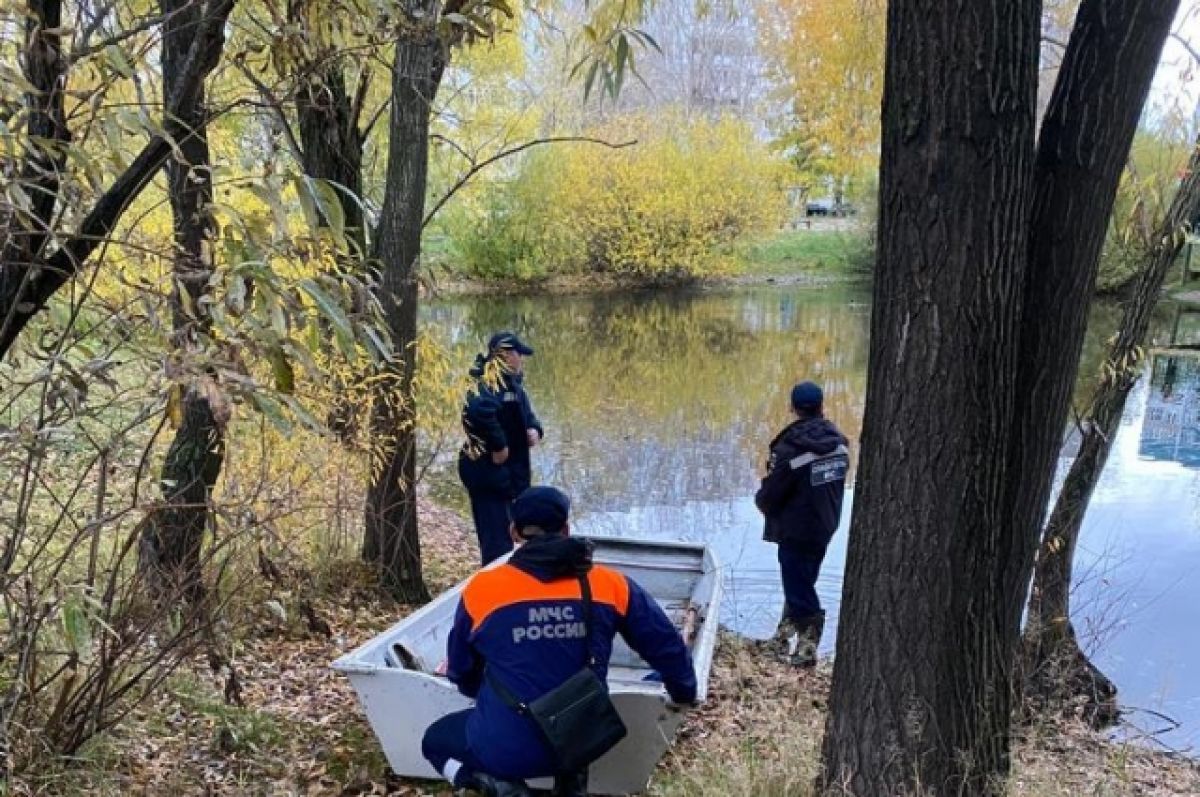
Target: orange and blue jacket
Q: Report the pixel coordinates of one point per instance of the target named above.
(523, 622)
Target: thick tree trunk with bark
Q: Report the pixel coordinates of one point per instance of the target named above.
(986, 261)
(172, 539)
(1082, 149)
(332, 145)
(390, 538)
(332, 149)
(169, 555)
(917, 654)
(1055, 670)
(23, 236)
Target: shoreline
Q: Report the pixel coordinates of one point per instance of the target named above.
(600, 284)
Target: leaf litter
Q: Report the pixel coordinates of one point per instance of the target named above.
(302, 730)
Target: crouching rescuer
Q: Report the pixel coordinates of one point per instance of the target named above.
(801, 499)
(531, 643)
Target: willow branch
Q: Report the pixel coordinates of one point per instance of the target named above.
(476, 168)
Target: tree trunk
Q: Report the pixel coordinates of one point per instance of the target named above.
(28, 283)
(390, 539)
(972, 360)
(1055, 669)
(23, 236)
(332, 149)
(45, 68)
(172, 540)
(1083, 147)
(912, 703)
(332, 145)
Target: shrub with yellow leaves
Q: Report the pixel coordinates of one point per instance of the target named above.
(669, 208)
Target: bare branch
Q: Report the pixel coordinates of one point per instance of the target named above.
(273, 103)
(98, 17)
(1187, 45)
(360, 97)
(383, 106)
(499, 156)
(1054, 42)
(86, 50)
(454, 145)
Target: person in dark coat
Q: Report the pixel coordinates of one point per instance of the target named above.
(801, 499)
(518, 625)
(501, 428)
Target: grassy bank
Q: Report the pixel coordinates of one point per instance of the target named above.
(816, 256)
(301, 730)
(829, 253)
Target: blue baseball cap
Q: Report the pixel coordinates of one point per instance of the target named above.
(807, 396)
(544, 507)
(508, 340)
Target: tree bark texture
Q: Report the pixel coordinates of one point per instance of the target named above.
(987, 256)
(1055, 669)
(172, 540)
(914, 702)
(332, 145)
(26, 285)
(1082, 149)
(45, 68)
(332, 149)
(189, 179)
(169, 555)
(391, 539)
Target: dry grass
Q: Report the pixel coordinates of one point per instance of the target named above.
(303, 732)
(760, 736)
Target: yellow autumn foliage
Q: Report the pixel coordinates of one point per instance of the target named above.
(668, 207)
(826, 60)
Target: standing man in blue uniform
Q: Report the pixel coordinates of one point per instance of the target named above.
(518, 625)
(801, 499)
(501, 428)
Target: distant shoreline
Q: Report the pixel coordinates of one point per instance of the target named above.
(599, 283)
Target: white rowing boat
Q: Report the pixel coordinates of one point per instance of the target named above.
(395, 672)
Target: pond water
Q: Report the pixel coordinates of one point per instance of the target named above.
(659, 406)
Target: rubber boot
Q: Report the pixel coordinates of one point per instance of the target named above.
(809, 630)
(495, 787)
(782, 643)
(573, 785)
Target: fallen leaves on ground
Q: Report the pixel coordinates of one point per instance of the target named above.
(302, 730)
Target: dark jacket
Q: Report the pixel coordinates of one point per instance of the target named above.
(522, 621)
(801, 495)
(495, 416)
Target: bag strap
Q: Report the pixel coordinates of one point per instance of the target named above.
(505, 694)
(585, 592)
(589, 659)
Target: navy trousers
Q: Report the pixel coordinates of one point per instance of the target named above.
(445, 743)
(491, 514)
(799, 569)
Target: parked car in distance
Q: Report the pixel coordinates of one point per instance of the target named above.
(828, 207)
(818, 207)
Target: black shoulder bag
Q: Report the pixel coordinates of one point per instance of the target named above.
(577, 718)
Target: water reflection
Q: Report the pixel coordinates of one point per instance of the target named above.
(1171, 427)
(652, 399)
(659, 407)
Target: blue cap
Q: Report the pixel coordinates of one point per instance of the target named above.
(807, 396)
(544, 507)
(508, 340)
